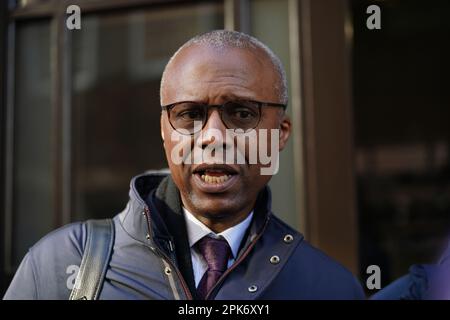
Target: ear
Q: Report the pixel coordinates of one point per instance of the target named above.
(161, 120)
(285, 131)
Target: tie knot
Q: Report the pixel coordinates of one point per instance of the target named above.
(215, 251)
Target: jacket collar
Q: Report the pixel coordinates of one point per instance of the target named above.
(133, 217)
(156, 193)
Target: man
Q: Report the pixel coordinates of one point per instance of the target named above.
(206, 231)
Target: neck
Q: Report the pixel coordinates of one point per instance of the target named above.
(219, 222)
(217, 225)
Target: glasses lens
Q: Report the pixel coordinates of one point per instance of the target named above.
(184, 116)
(241, 114)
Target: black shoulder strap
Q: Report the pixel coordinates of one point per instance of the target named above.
(99, 244)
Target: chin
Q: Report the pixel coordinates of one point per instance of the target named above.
(215, 208)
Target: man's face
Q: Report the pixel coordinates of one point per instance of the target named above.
(210, 76)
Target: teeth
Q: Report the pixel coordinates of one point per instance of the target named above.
(214, 179)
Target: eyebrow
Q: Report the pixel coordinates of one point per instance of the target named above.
(231, 97)
(227, 97)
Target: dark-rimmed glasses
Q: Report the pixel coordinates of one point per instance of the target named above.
(185, 116)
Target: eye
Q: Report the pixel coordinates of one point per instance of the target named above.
(243, 114)
(191, 115)
(188, 112)
(243, 111)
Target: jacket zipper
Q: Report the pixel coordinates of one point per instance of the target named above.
(237, 262)
(177, 271)
(168, 260)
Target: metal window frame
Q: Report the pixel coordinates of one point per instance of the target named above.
(3, 124)
(9, 148)
(237, 15)
(297, 105)
(329, 172)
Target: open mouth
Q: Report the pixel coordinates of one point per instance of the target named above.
(214, 173)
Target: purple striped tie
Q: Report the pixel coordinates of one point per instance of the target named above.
(216, 253)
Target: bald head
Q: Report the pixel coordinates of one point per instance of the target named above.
(224, 42)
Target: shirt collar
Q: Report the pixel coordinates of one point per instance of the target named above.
(197, 230)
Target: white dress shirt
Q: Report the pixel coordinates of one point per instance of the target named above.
(197, 230)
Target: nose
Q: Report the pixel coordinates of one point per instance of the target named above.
(214, 131)
(214, 120)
